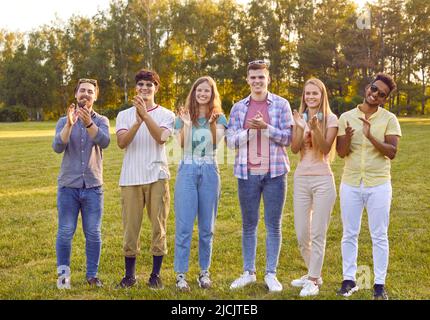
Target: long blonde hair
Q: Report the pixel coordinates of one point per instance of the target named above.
(324, 108)
(192, 105)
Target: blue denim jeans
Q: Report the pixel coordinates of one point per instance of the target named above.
(197, 193)
(90, 202)
(274, 193)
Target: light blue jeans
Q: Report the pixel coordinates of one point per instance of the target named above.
(197, 193)
(90, 202)
(274, 192)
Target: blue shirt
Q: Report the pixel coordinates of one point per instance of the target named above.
(201, 137)
(82, 165)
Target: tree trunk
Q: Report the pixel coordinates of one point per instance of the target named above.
(423, 100)
(148, 32)
(398, 90)
(125, 80)
(408, 92)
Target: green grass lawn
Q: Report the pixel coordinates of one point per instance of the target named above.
(28, 222)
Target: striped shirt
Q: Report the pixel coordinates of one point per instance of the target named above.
(278, 132)
(145, 160)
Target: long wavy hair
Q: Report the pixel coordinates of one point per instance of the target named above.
(324, 108)
(192, 105)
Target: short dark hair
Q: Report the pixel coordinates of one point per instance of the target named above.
(387, 79)
(258, 65)
(148, 75)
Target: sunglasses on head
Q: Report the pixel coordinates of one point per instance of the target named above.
(374, 88)
(257, 62)
(91, 81)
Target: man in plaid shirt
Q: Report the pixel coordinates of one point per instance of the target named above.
(259, 130)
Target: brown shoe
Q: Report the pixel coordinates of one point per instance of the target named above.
(95, 282)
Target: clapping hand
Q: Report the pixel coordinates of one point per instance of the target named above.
(184, 115)
(214, 118)
(349, 131)
(313, 124)
(366, 127)
(72, 115)
(141, 110)
(85, 116)
(257, 122)
(298, 119)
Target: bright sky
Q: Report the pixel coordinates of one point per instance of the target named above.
(25, 15)
(360, 3)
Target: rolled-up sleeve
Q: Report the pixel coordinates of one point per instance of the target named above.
(58, 144)
(236, 135)
(283, 134)
(103, 136)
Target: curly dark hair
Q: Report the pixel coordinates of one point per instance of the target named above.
(387, 79)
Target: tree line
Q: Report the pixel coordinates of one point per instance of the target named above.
(185, 39)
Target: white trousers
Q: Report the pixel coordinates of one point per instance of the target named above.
(377, 201)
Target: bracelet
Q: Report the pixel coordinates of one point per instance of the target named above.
(92, 123)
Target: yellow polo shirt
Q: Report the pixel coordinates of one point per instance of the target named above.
(365, 162)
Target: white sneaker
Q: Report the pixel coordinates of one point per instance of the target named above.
(204, 280)
(272, 283)
(245, 279)
(299, 283)
(63, 283)
(181, 283)
(63, 280)
(309, 289)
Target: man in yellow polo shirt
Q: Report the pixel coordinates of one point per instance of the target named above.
(367, 139)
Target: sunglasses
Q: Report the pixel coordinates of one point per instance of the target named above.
(262, 62)
(374, 88)
(143, 84)
(91, 81)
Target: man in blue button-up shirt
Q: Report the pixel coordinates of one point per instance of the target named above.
(82, 135)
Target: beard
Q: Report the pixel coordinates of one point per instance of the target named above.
(83, 101)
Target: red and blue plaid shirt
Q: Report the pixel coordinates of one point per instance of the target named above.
(278, 132)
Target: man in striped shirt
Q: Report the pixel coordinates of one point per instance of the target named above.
(259, 130)
(142, 131)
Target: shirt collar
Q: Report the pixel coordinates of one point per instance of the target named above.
(373, 115)
(269, 99)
